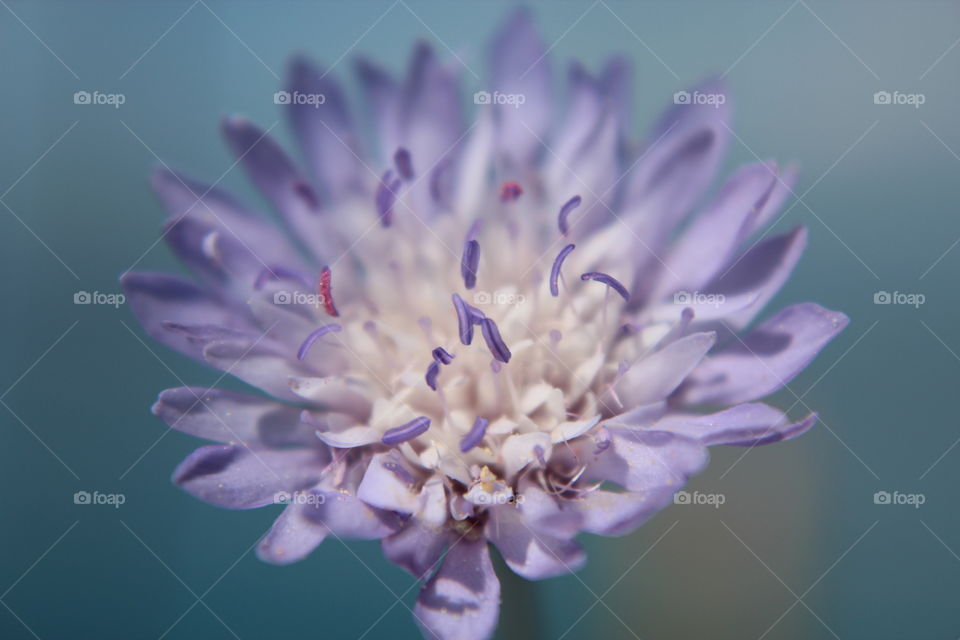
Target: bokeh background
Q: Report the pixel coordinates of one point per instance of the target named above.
(799, 549)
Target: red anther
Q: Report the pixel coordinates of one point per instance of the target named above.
(510, 191)
(326, 294)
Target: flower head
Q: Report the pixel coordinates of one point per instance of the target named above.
(465, 332)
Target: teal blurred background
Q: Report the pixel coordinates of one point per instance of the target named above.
(800, 549)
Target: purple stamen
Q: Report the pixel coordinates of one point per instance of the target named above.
(314, 336)
(469, 263)
(442, 355)
(475, 435)
(401, 159)
(565, 210)
(276, 272)
(386, 197)
(495, 343)
(555, 269)
(608, 280)
(408, 431)
(432, 372)
(464, 318)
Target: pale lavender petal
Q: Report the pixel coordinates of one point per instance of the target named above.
(520, 66)
(417, 547)
(229, 417)
(613, 513)
(760, 272)
(236, 477)
(390, 483)
(766, 359)
(533, 555)
(158, 299)
(707, 245)
(322, 126)
(743, 425)
(655, 377)
(461, 601)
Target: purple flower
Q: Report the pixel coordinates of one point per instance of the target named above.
(607, 319)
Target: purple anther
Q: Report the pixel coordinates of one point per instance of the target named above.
(401, 160)
(314, 336)
(469, 263)
(495, 343)
(442, 356)
(432, 372)
(610, 281)
(565, 210)
(475, 435)
(555, 269)
(464, 318)
(408, 431)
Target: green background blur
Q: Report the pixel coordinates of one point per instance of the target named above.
(798, 550)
